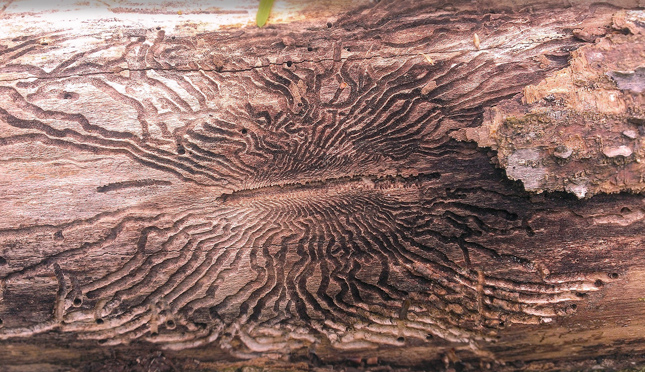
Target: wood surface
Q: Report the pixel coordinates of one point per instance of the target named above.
(362, 186)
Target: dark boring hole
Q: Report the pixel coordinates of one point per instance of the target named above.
(401, 339)
(1, 321)
(348, 49)
(310, 49)
(102, 341)
(158, 28)
(3, 261)
(289, 63)
(315, 359)
(173, 38)
(625, 210)
(170, 323)
(501, 323)
(180, 149)
(598, 283)
(67, 95)
(244, 131)
(154, 333)
(429, 336)
(573, 307)
(299, 104)
(77, 302)
(581, 295)
(329, 24)
(613, 276)
(99, 321)
(59, 235)
(624, 31)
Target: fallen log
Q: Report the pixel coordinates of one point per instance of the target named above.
(394, 184)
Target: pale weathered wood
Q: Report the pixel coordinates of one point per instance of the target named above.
(189, 195)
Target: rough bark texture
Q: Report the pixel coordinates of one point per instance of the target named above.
(305, 196)
(581, 129)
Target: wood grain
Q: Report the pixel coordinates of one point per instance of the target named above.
(294, 194)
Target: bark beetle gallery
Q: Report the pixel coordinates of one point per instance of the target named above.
(310, 186)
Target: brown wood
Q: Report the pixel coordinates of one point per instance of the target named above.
(330, 192)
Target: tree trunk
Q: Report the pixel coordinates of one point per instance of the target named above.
(409, 185)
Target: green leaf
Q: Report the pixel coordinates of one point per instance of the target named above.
(263, 12)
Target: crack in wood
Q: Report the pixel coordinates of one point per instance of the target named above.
(355, 58)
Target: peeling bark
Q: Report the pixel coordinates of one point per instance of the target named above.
(579, 130)
(296, 196)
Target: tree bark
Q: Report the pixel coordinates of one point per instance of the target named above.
(408, 185)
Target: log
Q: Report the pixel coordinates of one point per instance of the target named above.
(388, 185)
